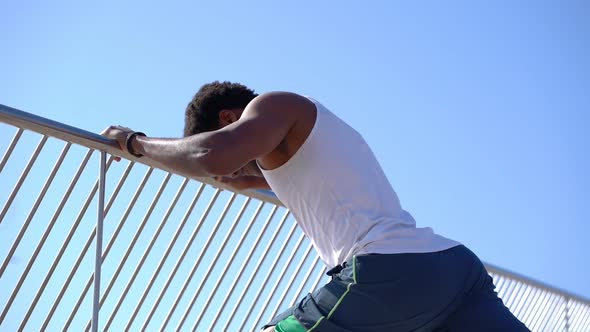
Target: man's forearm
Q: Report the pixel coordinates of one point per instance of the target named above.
(180, 154)
(259, 183)
(244, 182)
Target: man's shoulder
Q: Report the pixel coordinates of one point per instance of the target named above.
(279, 107)
(281, 101)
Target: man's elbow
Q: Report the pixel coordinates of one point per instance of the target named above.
(198, 164)
(217, 166)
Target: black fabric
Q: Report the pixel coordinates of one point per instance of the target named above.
(448, 290)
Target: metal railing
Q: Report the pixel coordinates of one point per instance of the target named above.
(178, 253)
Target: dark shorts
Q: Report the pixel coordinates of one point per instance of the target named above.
(448, 290)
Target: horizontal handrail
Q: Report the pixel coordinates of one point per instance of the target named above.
(95, 141)
(536, 283)
(72, 134)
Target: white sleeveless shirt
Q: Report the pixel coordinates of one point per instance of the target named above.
(340, 197)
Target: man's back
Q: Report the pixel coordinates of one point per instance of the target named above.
(341, 198)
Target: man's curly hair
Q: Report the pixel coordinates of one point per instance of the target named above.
(202, 113)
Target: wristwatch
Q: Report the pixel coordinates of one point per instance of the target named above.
(128, 142)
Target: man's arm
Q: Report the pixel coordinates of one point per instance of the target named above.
(244, 182)
(262, 126)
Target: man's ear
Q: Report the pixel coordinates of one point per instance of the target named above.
(227, 117)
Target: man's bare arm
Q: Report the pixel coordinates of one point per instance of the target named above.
(244, 182)
(263, 125)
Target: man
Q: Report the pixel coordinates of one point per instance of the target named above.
(387, 274)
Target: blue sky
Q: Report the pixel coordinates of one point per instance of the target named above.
(478, 111)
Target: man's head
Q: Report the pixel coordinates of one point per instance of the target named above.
(216, 105)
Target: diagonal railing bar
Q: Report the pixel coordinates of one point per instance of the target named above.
(60, 253)
(511, 290)
(121, 264)
(147, 250)
(80, 256)
(191, 274)
(289, 286)
(555, 310)
(273, 267)
(128, 210)
(513, 294)
(130, 206)
(535, 306)
(288, 261)
(22, 177)
(541, 307)
(578, 318)
(586, 324)
(25, 225)
(538, 307)
(545, 313)
(214, 262)
(186, 249)
(563, 317)
(137, 235)
(567, 314)
(502, 282)
(10, 148)
(115, 193)
(574, 318)
(553, 304)
(73, 230)
(242, 269)
(582, 316)
(549, 305)
(523, 300)
(44, 237)
(536, 302)
(54, 218)
(315, 284)
(549, 309)
(542, 313)
(298, 293)
(163, 259)
(503, 285)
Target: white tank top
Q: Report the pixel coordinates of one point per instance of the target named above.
(342, 200)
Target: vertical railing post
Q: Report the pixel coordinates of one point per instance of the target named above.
(98, 260)
(567, 314)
